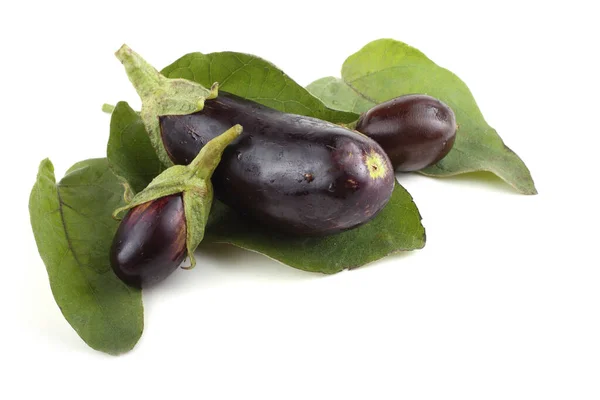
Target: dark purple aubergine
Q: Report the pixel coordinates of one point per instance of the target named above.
(415, 130)
(296, 174)
(150, 242)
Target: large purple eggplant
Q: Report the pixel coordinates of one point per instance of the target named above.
(295, 173)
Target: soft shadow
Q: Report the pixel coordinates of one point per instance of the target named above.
(221, 264)
(236, 260)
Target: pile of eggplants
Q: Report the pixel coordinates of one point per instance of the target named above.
(314, 189)
(290, 173)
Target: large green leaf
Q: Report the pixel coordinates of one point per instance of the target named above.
(255, 79)
(129, 150)
(386, 68)
(73, 229)
(396, 228)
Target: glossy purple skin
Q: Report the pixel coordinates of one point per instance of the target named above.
(415, 130)
(151, 242)
(293, 173)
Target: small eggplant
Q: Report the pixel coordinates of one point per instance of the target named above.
(294, 173)
(166, 221)
(150, 242)
(415, 130)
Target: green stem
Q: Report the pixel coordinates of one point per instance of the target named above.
(144, 77)
(108, 108)
(209, 157)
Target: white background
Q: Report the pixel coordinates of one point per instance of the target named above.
(502, 303)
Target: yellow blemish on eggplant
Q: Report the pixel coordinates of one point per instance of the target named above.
(375, 164)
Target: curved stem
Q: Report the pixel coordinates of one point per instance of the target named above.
(209, 157)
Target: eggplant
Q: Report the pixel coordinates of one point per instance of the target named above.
(294, 173)
(166, 221)
(150, 242)
(415, 130)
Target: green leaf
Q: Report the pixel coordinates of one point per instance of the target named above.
(73, 230)
(255, 79)
(336, 94)
(396, 228)
(129, 151)
(385, 68)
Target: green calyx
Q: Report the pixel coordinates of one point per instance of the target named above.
(161, 95)
(193, 181)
